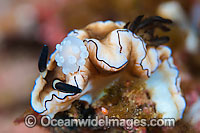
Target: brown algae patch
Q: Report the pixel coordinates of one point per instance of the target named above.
(127, 99)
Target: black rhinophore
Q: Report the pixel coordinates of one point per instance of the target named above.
(42, 63)
(67, 88)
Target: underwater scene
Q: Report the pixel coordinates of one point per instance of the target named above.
(100, 66)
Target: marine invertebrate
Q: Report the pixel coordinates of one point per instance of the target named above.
(91, 58)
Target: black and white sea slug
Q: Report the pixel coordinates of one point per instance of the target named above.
(91, 58)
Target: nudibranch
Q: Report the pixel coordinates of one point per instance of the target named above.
(91, 58)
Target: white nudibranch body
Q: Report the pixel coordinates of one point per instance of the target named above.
(71, 54)
(90, 58)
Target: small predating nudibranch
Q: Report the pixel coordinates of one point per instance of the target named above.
(90, 58)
